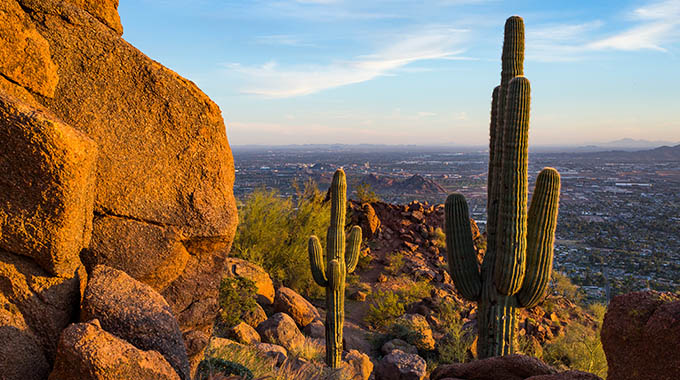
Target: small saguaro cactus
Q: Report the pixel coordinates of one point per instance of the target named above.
(518, 261)
(338, 263)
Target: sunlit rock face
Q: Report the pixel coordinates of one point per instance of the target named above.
(140, 165)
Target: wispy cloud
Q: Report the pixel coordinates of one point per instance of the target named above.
(660, 24)
(274, 81)
(651, 27)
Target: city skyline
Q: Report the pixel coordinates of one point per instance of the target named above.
(390, 72)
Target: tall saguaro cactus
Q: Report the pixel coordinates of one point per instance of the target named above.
(518, 262)
(338, 264)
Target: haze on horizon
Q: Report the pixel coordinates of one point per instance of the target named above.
(393, 72)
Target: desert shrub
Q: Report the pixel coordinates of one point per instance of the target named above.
(311, 350)
(212, 366)
(384, 307)
(365, 193)
(438, 237)
(456, 342)
(236, 298)
(561, 285)
(395, 263)
(273, 232)
(579, 348)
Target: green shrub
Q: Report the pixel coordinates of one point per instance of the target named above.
(364, 262)
(365, 193)
(384, 307)
(212, 366)
(273, 233)
(439, 237)
(454, 346)
(579, 348)
(236, 298)
(395, 263)
(561, 285)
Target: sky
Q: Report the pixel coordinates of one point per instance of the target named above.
(418, 72)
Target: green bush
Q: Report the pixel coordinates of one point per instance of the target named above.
(561, 285)
(365, 193)
(236, 298)
(384, 307)
(274, 230)
(580, 347)
(395, 263)
(454, 346)
(439, 237)
(212, 366)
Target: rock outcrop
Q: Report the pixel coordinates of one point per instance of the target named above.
(511, 367)
(140, 182)
(641, 336)
(87, 352)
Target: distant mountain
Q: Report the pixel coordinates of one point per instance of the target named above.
(662, 153)
(415, 184)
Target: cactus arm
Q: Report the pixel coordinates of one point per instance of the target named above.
(462, 258)
(353, 246)
(316, 261)
(542, 221)
(510, 262)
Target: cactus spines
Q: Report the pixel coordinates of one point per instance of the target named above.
(338, 264)
(517, 264)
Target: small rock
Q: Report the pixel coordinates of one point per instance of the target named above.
(255, 316)
(281, 329)
(358, 366)
(289, 302)
(398, 344)
(399, 365)
(358, 295)
(245, 334)
(273, 351)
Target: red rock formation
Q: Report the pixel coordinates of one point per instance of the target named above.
(641, 336)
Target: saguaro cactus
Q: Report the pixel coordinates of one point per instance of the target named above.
(338, 264)
(518, 262)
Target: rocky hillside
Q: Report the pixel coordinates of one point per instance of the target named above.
(404, 255)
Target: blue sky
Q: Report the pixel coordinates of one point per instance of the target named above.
(418, 72)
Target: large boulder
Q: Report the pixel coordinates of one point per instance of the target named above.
(244, 333)
(511, 367)
(135, 312)
(289, 302)
(263, 283)
(87, 352)
(357, 365)
(281, 329)
(46, 187)
(399, 365)
(163, 176)
(641, 336)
